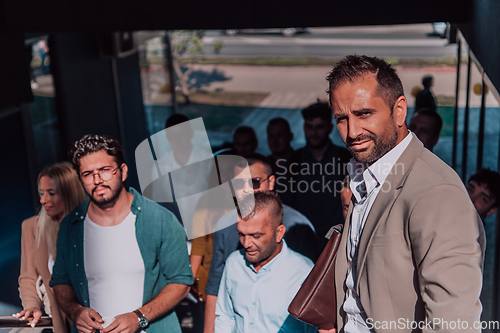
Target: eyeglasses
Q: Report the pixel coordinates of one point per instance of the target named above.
(105, 173)
(239, 183)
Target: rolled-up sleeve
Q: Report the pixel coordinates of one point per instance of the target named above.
(174, 256)
(60, 274)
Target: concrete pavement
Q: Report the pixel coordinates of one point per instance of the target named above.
(299, 86)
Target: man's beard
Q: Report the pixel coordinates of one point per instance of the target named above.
(106, 202)
(381, 147)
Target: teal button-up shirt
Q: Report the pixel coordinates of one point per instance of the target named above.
(162, 242)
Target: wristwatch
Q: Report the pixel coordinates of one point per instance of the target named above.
(143, 321)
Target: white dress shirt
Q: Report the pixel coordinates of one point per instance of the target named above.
(365, 184)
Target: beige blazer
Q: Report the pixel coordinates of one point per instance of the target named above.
(34, 262)
(421, 250)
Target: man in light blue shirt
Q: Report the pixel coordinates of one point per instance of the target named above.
(260, 280)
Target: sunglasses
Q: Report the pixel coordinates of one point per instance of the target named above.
(239, 183)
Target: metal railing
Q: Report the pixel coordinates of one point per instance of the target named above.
(11, 322)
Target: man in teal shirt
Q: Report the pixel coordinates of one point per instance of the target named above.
(119, 255)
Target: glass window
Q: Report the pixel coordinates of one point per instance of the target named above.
(43, 109)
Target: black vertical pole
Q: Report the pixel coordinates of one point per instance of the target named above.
(482, 116)
(466, 120)
(455, 112)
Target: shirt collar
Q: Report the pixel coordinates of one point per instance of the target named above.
(274, 263)
(78, 214)
(375, 174)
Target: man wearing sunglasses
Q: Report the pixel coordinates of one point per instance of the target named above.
(300, 235)
(122, 262)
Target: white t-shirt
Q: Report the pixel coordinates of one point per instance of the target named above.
(114, 267)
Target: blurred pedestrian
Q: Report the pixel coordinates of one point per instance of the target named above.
(245, 140)
(484, 191)
(279, 138)
(312, 179)
(426, 124)
(424, 98)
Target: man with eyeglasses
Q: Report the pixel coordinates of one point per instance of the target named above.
(300, 234)
(122, 262)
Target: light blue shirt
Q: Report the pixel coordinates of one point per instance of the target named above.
(251, 301)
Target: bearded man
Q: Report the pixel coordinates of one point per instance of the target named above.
(411, 253)
(122, 262)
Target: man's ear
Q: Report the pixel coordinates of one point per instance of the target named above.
(492, 211)
(280, 233)
(124, 168)
(399, 110)
(271, 181)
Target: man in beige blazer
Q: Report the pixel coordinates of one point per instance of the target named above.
(412, 249)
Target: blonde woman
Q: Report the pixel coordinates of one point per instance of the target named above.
(60, 192)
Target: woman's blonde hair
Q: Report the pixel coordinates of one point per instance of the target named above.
(69, 188)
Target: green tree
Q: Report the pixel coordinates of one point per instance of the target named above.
(189, 43)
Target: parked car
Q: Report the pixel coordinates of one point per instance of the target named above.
(440, 29)
(287, 32)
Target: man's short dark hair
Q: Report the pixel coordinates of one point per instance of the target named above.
(434, 115)
(246, 130)
(175, 119)
(353, 67)
(427, 81)
(253, 158)
(251, 204)
(280, 121)
(318, 110)
(489, 178)
(94, 143)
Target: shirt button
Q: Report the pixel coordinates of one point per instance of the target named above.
(355, 239)
(76, 265)
(74, 245)
(139, 208)
(251, 324)
(253, 303)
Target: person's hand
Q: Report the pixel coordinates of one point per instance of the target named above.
(87, 320)
(126, 323)
(194, 290)
(31, 314)
(333, 330)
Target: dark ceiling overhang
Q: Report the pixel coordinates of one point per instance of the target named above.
(108, 15)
